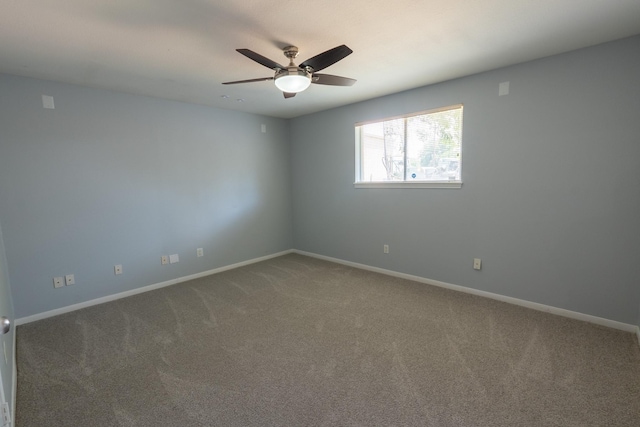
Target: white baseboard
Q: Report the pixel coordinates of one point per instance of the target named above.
(528, 304)
(14, 385)
(74, 307)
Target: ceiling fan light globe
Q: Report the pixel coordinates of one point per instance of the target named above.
(293, 81)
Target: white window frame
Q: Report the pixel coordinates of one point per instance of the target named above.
(403, 184)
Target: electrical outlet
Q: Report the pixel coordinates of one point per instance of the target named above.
(58, 282)
(164, 260)
(117, 269)
(477, 263)
(200, 252)
(6, 414)
(386, 249)
(70, 279)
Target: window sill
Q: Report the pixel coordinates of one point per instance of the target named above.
(409, 184)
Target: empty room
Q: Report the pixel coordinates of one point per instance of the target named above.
(320, 214)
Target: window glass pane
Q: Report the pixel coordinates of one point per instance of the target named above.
(433, 146)
(382, 151)
(393, 155)
(372, 151)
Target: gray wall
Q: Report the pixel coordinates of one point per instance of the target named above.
(6, 340)
(108, 178)
(551, 193)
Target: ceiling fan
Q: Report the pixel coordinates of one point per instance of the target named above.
(296, 78)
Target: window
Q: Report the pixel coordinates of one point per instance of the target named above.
(418, 150)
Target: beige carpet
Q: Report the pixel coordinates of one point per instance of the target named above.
(295, 341)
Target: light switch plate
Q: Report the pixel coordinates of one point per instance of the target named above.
(174, 258)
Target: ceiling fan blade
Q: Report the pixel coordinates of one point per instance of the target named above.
(330, 57)
(260, 59)
(263, 79)
(328, 79)
(288, 94)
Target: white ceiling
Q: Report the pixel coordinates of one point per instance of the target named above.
(185, 49)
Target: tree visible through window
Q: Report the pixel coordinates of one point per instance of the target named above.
(423, 147)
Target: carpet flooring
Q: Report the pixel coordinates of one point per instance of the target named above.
(297, 341)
